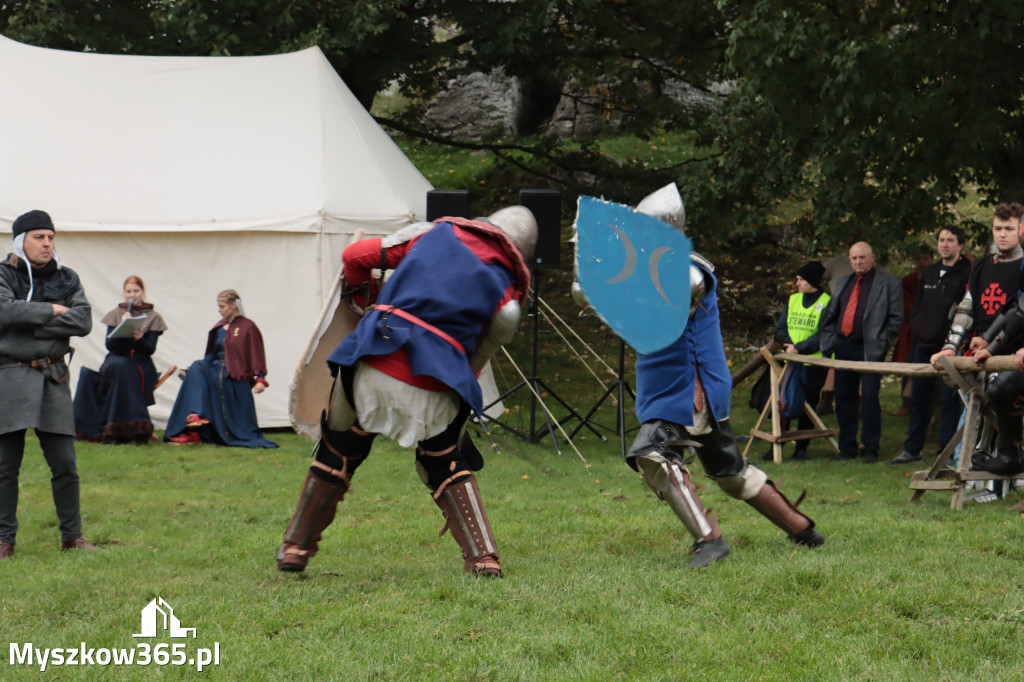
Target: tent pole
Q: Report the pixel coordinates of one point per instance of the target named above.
(320, 263)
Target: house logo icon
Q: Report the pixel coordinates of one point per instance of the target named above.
(158, 614)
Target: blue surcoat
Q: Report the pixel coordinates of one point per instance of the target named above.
(666, 379)
(443, 283)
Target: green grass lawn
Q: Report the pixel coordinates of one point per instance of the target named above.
(595, 587)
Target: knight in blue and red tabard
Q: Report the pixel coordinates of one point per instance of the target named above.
(994, 282)
(408, 370)
(683, 395)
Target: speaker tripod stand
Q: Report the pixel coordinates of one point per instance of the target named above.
(619, 388)
(538, 388)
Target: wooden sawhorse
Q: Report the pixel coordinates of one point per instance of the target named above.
(777, 438)
(941, 477)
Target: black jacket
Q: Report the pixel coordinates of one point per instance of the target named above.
(935, 301)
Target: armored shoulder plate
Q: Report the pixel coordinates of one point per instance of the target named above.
(499, 332)
(702, 261)
(405, 234)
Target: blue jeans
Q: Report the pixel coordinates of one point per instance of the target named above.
(921, 392)
(846, 397)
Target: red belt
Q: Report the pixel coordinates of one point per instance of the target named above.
(388, 309)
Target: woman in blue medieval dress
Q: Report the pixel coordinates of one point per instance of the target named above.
(111, 405)
(215, 403)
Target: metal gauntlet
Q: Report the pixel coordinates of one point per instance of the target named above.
(963, 322)
(1009, 333)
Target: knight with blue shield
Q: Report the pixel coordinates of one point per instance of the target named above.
(683, 395)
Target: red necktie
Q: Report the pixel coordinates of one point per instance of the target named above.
(851, 309)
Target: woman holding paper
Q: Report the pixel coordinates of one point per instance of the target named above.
(215, 403)
(111, 405)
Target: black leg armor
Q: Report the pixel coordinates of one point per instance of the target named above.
(1006, 397)
(659, 437)
(718, 452)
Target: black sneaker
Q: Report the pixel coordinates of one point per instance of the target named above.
(799, 455)
(846, 456)
(904, 458)
(706, 551)
(870, 456)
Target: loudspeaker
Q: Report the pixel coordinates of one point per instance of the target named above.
(447, 202)
(546, 206)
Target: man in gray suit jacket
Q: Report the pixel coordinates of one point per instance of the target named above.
(861, 323)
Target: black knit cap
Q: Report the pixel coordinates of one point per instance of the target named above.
(33, 220)
(812, 273)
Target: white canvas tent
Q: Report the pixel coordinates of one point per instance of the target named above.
(200, 174)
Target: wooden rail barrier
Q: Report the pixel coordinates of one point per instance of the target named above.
(963, 372)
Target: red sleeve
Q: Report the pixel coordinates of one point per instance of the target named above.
(359, 260)
(363, 256)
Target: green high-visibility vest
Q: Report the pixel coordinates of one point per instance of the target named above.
(802, 322)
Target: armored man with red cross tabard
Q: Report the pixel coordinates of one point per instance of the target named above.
(408, 371)
(978, 329)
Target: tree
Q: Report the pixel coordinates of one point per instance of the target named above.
(359, 38)
(623, 53)
(880, 115)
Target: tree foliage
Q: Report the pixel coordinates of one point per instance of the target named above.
(368, 43)
(878, 114)
(866, 119)
(623, 53)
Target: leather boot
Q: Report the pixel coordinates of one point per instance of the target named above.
(1006, 462)
(6, 549)
(463, 510)
(774, 506)
(318, 503)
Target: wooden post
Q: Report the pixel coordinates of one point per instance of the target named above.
(776, 375)
(757, 427)
(827, 433)
(938, 477)
(777, 438)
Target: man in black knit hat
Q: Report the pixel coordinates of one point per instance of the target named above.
(42, 305)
